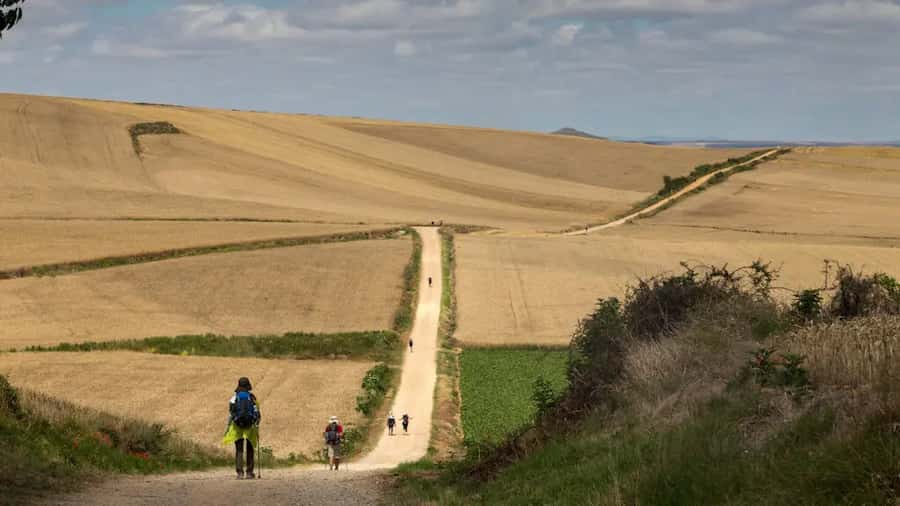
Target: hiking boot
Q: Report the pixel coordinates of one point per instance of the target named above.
(250, 475)
(240, 475)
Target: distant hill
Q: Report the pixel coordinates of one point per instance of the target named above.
(577, 133)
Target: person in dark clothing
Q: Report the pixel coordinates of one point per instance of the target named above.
(243, 427)
(334, 435)
(391, 421)
(404, 420)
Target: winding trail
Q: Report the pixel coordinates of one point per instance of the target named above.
(359, 483)
(680, 193)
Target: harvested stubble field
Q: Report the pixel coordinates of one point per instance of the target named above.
(534, 290)
(190, 394)
(35, 242)
(75, 158)
(822, 191)
(333, 287)
(632, 167)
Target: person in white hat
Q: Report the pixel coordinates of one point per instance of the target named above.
(334, 434)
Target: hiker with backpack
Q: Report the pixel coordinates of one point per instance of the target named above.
(391, 421)
(243, 427)
(404, 420)
(334, 433)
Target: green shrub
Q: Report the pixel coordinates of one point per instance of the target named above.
(374, 345)
(543, 396)
(672, 185)
(596, 356)
(150, 128)
(403, 318)
(9, 399)
(656, 305)
(785, 370)
(807, 305)
(375, 385)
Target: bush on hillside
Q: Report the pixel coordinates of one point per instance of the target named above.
(858, 295)
(150, 128)
(656, 305)
(375, 385)
(807, 305)
(672, 185)
(653, 308)
(9, 399)
(596, 356)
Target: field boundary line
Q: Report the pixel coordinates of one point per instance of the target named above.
(779, 233)
(226, 219)
(446, 424)
(63, 268)
(370, 345)
(671, 199)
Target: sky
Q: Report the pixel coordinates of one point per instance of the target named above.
(826, 70)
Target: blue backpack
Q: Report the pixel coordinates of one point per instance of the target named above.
(245, 413)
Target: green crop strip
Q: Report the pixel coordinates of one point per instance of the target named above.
(151, 128)
(63, 268)
(403, 318)
(379, 346)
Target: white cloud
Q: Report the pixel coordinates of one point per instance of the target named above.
(369, 12)
(244, 23)
(853, 11)
(105, 47)
(744, 37)
(404, 48)
(547, 8)
(566, 34)
(64, 31)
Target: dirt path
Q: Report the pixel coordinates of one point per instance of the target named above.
(687, 189)
(415, 396)
(360, 483)
(313, 486)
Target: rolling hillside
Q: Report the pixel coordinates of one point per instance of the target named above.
(74, 158)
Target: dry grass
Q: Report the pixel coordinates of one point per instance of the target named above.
(534, 290)
(822, 191)
(319, 288)
(191, 394)
(854, 353)
(67, 157)
(36, 242)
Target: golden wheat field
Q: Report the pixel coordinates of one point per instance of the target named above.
(316, 288)
(296, 397)
(851, 191)
(534, 290)
(627, 166)
(74, 158)
(36, 242)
